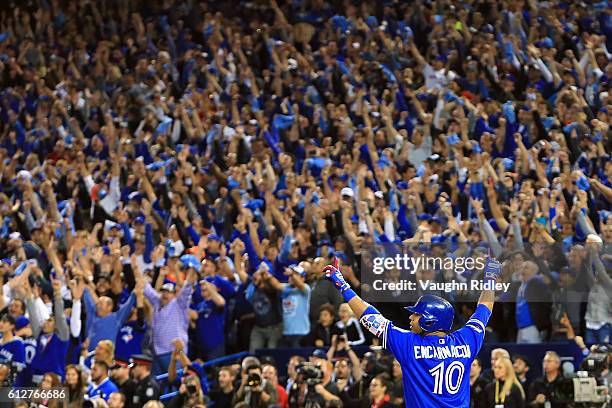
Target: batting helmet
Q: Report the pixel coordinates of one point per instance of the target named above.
(437, 313)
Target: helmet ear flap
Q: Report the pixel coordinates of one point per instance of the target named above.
(426, 323)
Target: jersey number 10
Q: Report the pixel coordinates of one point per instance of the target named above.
(446, 376)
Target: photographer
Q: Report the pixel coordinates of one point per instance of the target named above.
(313, 387)
(190, 392)
(255, 391)
(542, 389)
(346, 371)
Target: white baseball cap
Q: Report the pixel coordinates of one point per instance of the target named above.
(347, 191)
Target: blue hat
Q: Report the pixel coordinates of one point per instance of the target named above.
(437, 314)
(488, 29)
(190, 261)
(403, 185)
(21, 322)
(254, 204)
(545, 43)
(319, 353)
(214, 237)
(424, 217)
(136, 196)
(140, 219)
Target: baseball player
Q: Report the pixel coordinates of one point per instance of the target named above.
(435, 362)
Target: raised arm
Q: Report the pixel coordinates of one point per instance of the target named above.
(61, 326)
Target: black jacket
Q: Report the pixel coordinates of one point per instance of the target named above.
(539, 298)
(514, 400)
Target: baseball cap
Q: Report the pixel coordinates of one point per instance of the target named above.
(168, 287)
(21, 322)
(319, 353)
(424, 217)
(214, 237)
(347, 191)
(379, 194)
(298, 269)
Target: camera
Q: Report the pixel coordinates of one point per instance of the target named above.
(309, 373)
(585, 387)
(253, 380)
(191, 389)
(92, 403)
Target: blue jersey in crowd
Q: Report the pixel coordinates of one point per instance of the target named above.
(13, 352)
(24, 378)
(50, 356)
(210, 325)
(296, 304)
(129, 340)
(436, 370)
(103, 390)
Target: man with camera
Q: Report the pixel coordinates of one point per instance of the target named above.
(254, 391)
(313, 386)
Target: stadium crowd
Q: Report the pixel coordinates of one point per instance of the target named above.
(174, 176)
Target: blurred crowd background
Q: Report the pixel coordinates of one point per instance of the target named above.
(175, 174)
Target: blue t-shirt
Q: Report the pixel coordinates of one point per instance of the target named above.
(436, 370)
(210, 325)
(296, 306)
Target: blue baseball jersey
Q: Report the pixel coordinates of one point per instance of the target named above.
(13, 352)
(436, 369)
(24, 378)
(103, 390)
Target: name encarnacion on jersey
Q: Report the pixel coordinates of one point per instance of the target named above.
(442, 352)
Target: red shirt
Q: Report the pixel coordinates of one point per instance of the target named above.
(283, 398)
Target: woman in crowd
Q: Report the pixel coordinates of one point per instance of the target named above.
(397, 391)
(75, 383)
(49, 382)
(349, 326)
(505, 390)
(380, 390)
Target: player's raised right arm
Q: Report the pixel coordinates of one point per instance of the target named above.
(368, 315)
(492, 271)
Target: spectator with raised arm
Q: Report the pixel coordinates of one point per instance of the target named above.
(170, 313)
